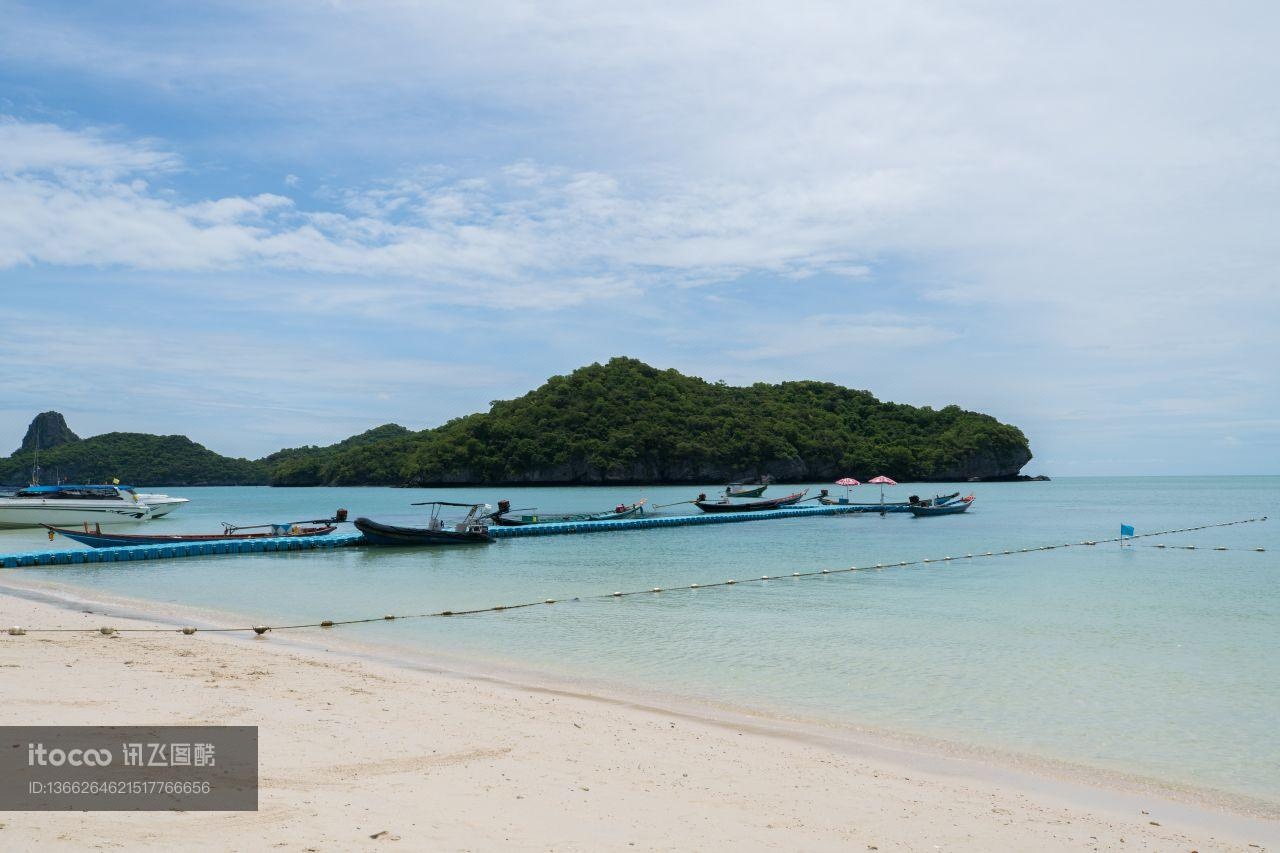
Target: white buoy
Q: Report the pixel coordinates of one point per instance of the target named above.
(17, 631)
(188, 630)
(106, 630)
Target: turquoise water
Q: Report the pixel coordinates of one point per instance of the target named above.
(1155, 662)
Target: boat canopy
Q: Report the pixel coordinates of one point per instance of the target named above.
(445, 503)
(29, 491)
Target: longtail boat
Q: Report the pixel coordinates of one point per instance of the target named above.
(95, 538)
(724, 505)
(473, 529)
(741, 490)
(503, 519)
(893, 506)
(954, 508)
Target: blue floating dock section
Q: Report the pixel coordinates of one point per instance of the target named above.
(172, 551)
(649, 521)
(169, 551)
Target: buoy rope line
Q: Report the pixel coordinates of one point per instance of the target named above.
(1202, 548)
(18, 631)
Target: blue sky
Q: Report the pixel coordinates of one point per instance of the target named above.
(274, 224)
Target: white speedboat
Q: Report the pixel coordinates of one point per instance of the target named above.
(161, 504)
(72, 505)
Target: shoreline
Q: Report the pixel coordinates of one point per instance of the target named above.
(1080, 791)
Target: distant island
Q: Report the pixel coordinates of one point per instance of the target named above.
(623, 422)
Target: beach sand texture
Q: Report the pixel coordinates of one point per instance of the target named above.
(361, 754)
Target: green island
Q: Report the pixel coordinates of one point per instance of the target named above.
(622, 422)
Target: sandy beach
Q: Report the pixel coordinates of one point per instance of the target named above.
(359, 753)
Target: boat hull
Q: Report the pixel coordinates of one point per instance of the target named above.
(376, 533)
(97, 539)
(162, 505)
(33, 513)
(896, 506)
(630, 512)
(747, 492)
(753, 506)
(946, 509)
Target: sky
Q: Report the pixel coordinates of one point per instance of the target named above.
(273, 224)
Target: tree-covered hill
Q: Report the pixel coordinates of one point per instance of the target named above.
(627, 422)
(135, 458)
(620, 422)
(305, 466)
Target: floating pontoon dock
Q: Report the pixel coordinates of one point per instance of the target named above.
(127, 553)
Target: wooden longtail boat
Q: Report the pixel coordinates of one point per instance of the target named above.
(894, 506)
(740, 490)
(621, 511)
(95, 538)
(473, 529)
(750, 506)
(945, 509)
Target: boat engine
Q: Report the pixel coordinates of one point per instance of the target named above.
(340, 515)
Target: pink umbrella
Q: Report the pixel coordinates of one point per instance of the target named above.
(847, 482)
(883, 481)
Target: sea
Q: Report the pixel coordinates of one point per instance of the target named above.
(1161, 664)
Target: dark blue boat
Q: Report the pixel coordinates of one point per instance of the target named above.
(474, 529)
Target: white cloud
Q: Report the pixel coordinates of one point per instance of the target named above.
(842, 336)
(1094, 184)
(41, 147)
(529, 235)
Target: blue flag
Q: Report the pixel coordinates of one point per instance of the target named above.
(1126, 530)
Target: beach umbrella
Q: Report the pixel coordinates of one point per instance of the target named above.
(847, 482)
(883, 481)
